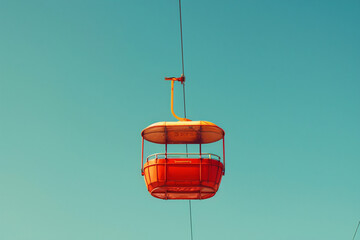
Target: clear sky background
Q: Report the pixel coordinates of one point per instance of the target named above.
(79, 80)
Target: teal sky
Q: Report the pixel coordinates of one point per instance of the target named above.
(79, 80)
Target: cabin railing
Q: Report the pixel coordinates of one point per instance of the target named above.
(183, 155)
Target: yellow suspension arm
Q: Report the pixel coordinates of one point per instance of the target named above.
(172, 104)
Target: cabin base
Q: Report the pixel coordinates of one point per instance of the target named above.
(183, 178)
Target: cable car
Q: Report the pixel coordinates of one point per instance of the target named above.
(182, 175)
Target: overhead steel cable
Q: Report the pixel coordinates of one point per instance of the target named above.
(356, 231)
(190, 220)
(183, 75)
(181, 36)
(182, 59)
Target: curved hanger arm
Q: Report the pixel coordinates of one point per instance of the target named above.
(172, 101)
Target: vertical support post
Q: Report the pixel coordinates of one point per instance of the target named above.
(166, 159)
(224, 154)
(200, 164)
(142, 156)
(166, 137)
